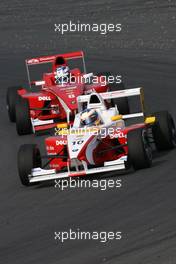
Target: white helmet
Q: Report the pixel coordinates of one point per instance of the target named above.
(89, 117)
(62, 74)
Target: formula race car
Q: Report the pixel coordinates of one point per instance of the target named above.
(55, 100)
(100, 140)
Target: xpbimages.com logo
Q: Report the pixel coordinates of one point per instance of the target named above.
(102, 184)
(88, 79)
(102, 28)
(102, 236)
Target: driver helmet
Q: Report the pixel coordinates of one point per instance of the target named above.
(62, 74)
(89, 117)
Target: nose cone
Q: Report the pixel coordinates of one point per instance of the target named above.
(77, 144)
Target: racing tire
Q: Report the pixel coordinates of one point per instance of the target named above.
(139, 149)
(23, 121)
(122, 103)
(11, 97)
(164, 131)
(28, 158)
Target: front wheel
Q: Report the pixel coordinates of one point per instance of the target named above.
(28, 158)
(11, 97)
(139, 149)
(23, 121)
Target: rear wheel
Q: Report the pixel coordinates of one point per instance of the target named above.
(11, 97)
(28, 158)
(139, 149)
(23, 121)
(164, 131)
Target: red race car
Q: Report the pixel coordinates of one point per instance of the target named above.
(100, 140)
(56, 99)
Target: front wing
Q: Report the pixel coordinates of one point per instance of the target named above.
(39, 175)
(40, 125)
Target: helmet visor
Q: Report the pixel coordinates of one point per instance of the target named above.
(90, 120)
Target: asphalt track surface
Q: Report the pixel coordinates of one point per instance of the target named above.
(144, 209)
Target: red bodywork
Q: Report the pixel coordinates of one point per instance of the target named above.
(45, 104)
(59, 144)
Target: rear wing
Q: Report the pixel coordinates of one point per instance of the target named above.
(51, 59)
(115, 94)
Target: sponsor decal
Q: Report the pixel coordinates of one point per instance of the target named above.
(55, 165)
(71, 96)
(31, 61)
(61, 142)
(44, 98)
(47, 58)
(49, 148)
(78, 142)
(52, 153)
(119, 134)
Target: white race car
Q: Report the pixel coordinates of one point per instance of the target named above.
(100, 140)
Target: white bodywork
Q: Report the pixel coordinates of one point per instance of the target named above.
(90, 140)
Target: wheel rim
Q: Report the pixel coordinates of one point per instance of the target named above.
(147, 146)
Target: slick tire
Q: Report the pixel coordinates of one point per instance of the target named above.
(23, 121)
(11, 97)
(139, 149)
(28, 158)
